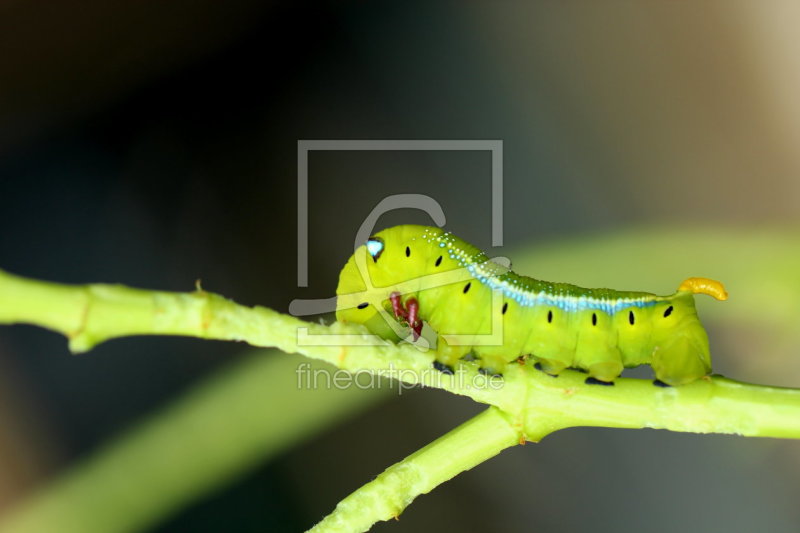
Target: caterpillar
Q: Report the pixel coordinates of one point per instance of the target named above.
(410, 274)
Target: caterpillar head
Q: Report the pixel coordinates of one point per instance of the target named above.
(391, 260)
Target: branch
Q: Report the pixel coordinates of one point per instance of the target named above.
(384, 498)
(529, 405)
(90, 314)
(492, 431)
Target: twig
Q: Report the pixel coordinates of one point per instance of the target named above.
(528, 404)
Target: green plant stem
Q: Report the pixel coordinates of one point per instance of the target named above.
(711, 405)
(90, 314)
(527, 405)
(384, 498)
(714, 405)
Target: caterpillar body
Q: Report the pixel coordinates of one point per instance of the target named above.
(413, 273)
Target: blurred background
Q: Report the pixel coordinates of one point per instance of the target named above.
(155, 143)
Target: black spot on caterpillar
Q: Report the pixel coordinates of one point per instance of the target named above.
(599, 331)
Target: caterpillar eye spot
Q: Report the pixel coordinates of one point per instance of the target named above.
(466, 287)
(668, 311)
(439, 261)
(505, 308)
(594, 319)
(375, 247)
(630, 317)
(549, 316)
(408, 251)
(363, 306)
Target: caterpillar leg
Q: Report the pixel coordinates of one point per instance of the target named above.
(606, 370)
(450, 354)
(601, 365)
(550, 366)
(551, 354)
(493, 365)
(681, 361)
(601, 360)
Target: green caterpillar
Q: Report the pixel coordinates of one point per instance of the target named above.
(413, 273)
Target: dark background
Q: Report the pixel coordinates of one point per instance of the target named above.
(155, 143)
